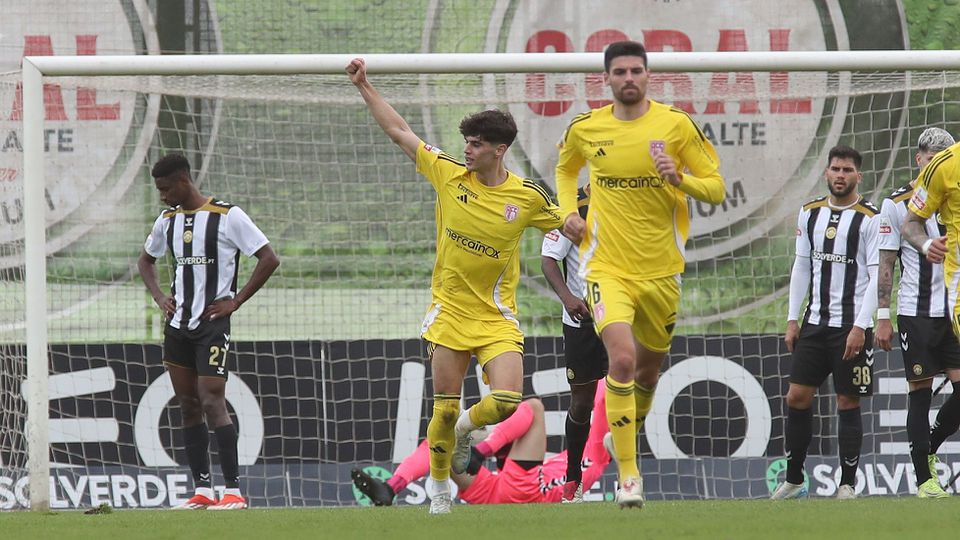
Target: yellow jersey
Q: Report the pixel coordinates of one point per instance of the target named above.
(638, 222)
(938, 190)
(478, 235)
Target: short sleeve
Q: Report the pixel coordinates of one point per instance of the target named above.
(869, 239)
(243, 233)
(555, 245)
(889, 227)
(436, 165)
(929, 192)
(156, 243)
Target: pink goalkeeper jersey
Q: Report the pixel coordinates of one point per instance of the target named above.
(543, 484)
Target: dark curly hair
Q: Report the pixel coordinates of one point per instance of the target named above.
(491, 126)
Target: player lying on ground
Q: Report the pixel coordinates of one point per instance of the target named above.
(522, 475)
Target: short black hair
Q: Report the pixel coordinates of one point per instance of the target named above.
(493, 126)
(169, 165)
(845, 152)
(623, 48)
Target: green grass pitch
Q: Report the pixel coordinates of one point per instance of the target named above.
(867, 518)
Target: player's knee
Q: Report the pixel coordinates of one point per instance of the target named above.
(190, 406)
(446, 411)
(535, 405)
(580, 410)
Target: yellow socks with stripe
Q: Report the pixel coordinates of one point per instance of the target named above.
(621, 416)
(440, 437)
(643, 400)
(494, 407)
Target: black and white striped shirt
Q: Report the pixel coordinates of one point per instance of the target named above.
(206, 244)
(922, 292)
(841, 245)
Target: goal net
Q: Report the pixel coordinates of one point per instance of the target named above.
(328, 372)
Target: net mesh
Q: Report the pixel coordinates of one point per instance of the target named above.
(328, 371)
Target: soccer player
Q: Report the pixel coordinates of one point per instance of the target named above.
(522, 476)
(936, 193)
(481, 212)
(585, 357)
(836, 261)
(645, 159)
(204, 236)
(927, 342)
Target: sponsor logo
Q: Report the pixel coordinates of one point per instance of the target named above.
(600, 144)
(188, 237)
(550, 212)
(600, 153)
(777, 471)
(629, 183)
(831, 258)
(432, 149)
(553, 236)
(472, 245)
(196, 261)
(463, 198)
(510, 212)
(885, 228)
(919, 199)
(903, 341)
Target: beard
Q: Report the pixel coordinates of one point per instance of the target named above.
(631, 99)
(842, 192)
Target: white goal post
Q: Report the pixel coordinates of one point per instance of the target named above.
(35, 69)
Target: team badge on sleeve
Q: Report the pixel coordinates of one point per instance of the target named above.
(553, 235)
(510, 212)
(432, 149)
(657, 147)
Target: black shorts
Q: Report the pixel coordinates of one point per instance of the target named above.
(203, 350)
(928, 346)
(584, 353)
(819, 353)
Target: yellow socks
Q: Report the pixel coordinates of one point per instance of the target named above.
(621, 416)
(643, 399)
(494, 407)
(440, 436)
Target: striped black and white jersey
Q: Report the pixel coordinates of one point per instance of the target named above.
(922, 292)
(205, 244)
(840, 244)
(560, 248)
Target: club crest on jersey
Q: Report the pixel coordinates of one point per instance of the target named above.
(831, 233)
(510, 212)
(187, 237)
(657, 147)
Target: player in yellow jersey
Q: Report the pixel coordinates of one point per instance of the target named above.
(481, 212)
(645, 159)
(938, 190)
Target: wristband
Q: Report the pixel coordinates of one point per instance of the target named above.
(926, 246)
(883, 313)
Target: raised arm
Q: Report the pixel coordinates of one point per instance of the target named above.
(389, 119)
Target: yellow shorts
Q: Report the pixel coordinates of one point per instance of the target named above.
(485, 339)
(648, 306)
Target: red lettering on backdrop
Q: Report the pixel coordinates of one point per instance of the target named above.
(536, 82)
(779, 80)
(597, 42)
(52, 97)
(87, 106)
(732, 40)
(676, 41)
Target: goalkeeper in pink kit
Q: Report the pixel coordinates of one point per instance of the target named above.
(522, 475)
